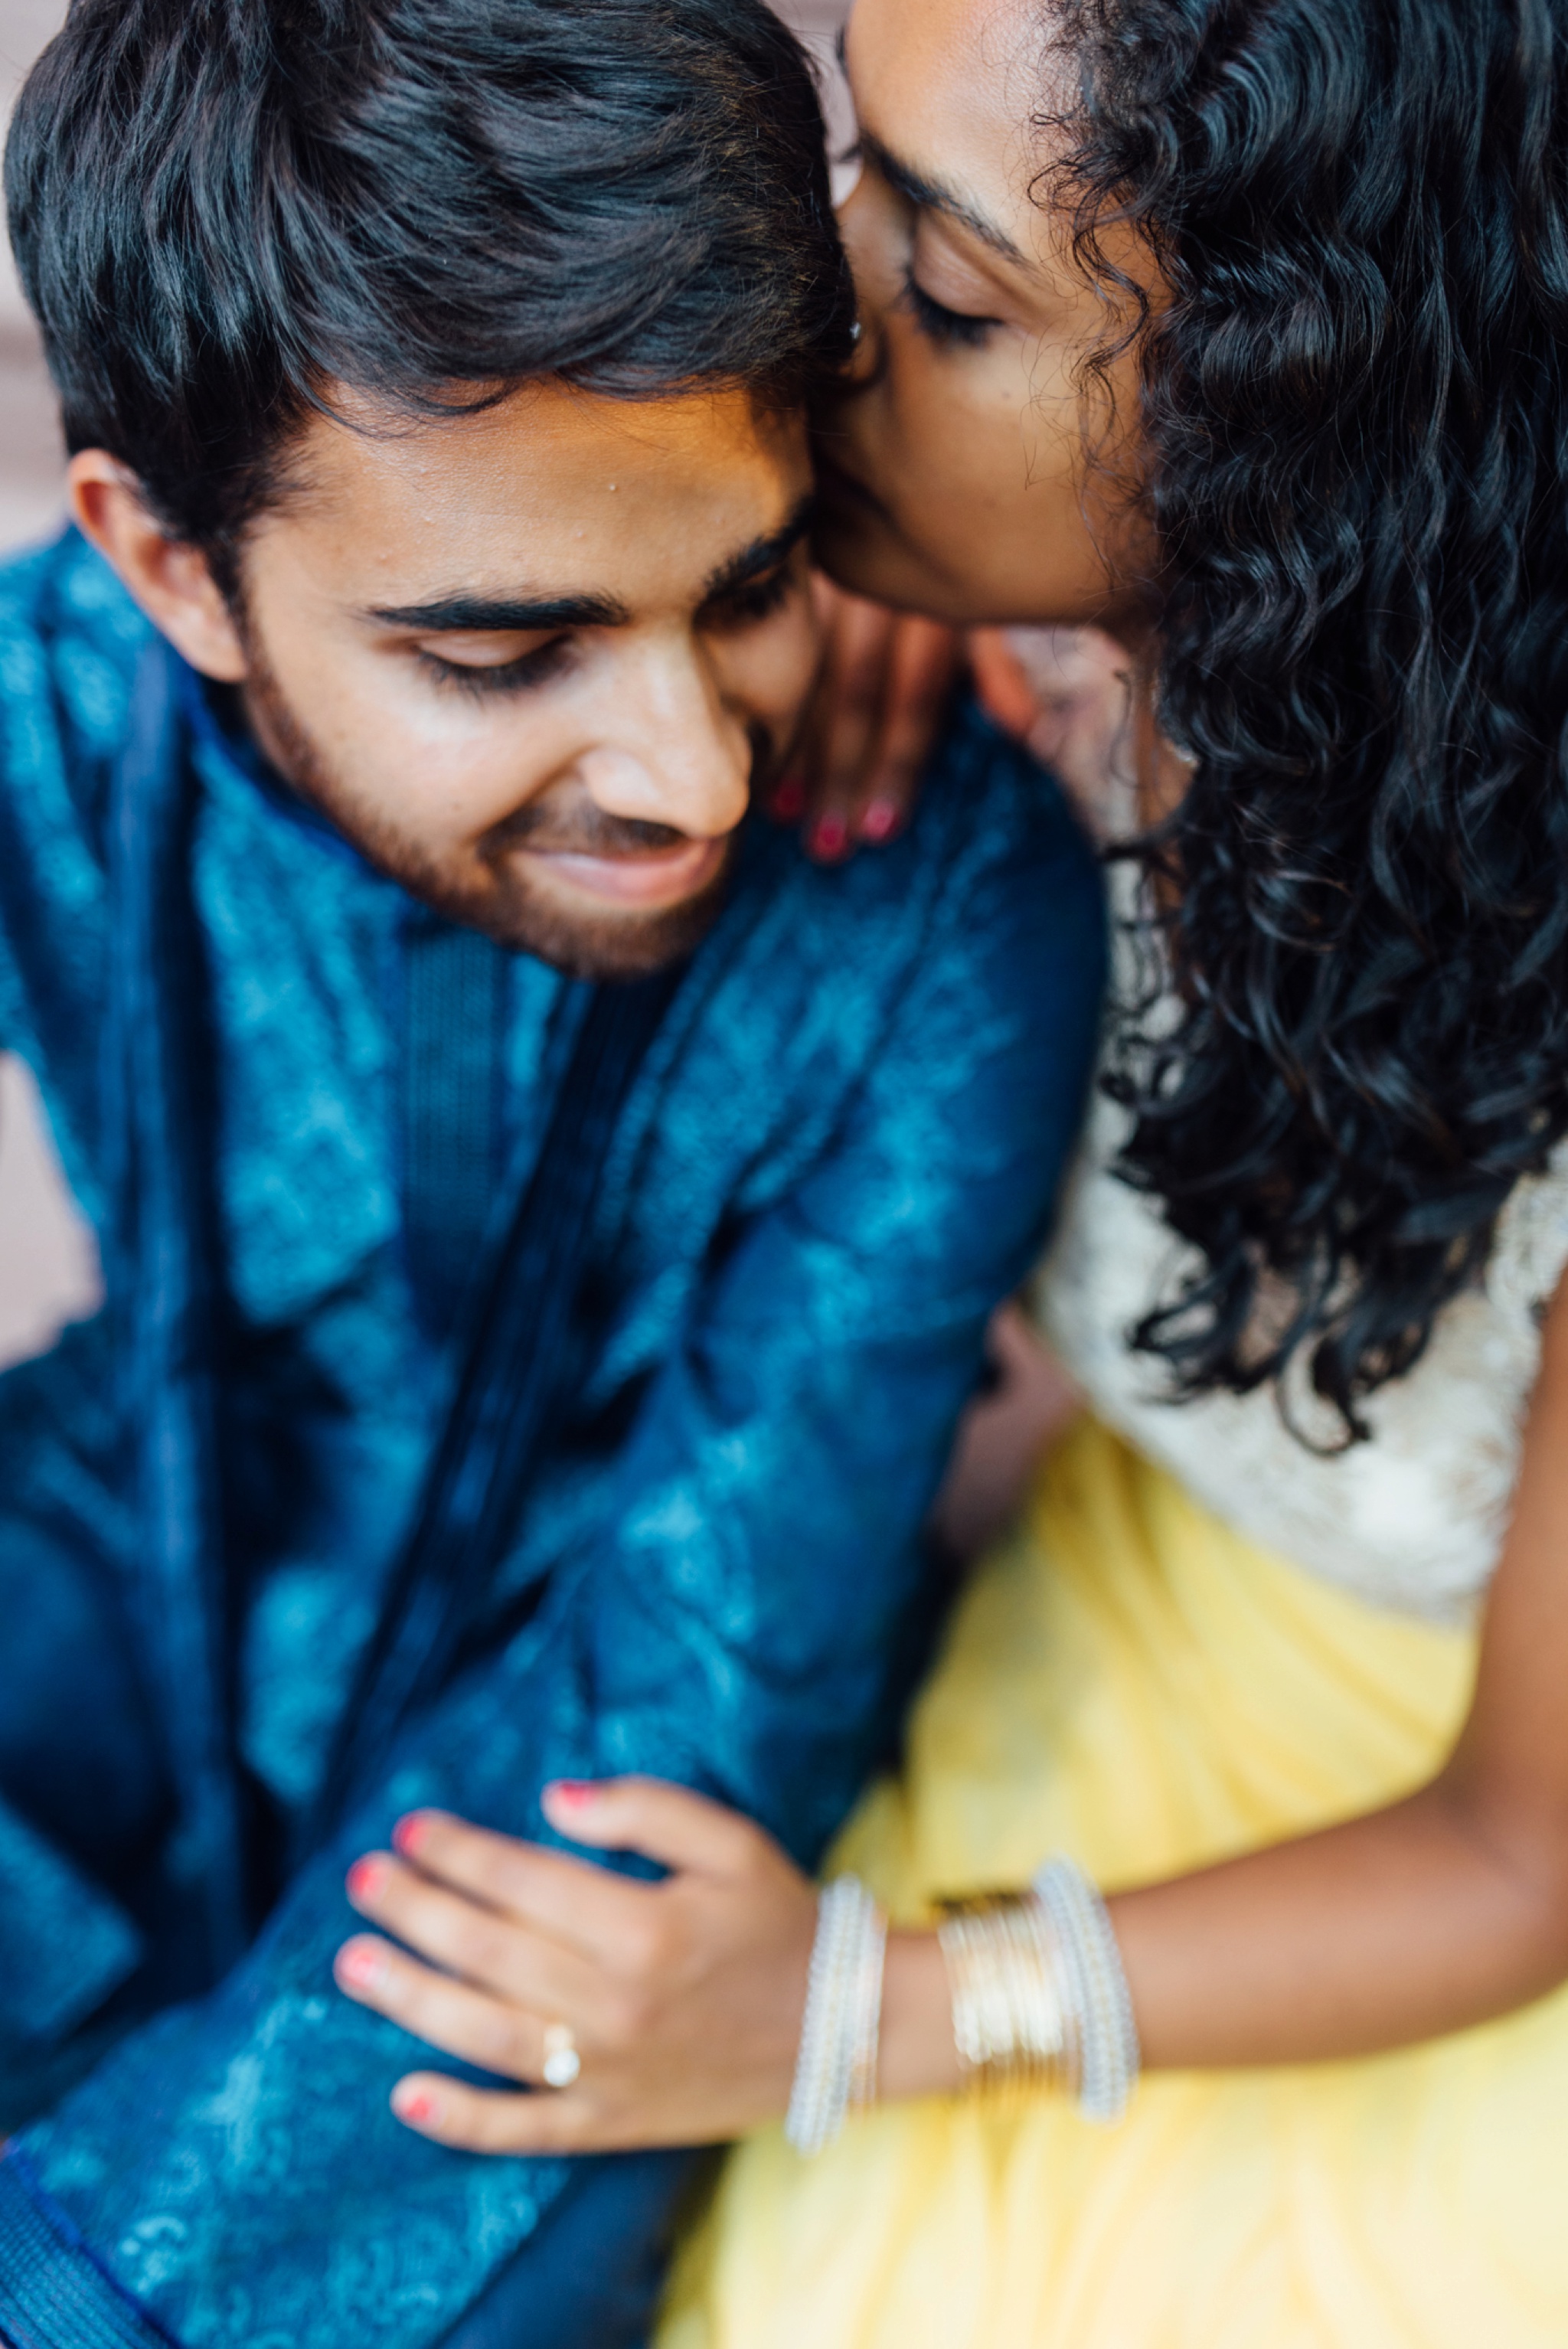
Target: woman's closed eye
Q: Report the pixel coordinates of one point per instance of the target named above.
(949, 329)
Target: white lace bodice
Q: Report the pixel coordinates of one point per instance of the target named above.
(1412, 1520)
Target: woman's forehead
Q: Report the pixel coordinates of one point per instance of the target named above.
(951, 91)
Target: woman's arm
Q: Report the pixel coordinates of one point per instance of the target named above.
(685, 1997)
(1437, 1913)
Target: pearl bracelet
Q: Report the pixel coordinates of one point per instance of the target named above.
(1039, 1993)
(836, 2068)
(1104, 2053)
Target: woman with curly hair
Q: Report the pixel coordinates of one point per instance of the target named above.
(1237, 328)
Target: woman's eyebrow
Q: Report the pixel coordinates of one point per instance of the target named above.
(931, 196)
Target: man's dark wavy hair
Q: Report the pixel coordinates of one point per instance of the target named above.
(222, 208)
(1356, 416)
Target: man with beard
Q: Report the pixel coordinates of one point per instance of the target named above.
(548, 1226)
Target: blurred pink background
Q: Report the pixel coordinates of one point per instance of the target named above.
(49, 1271)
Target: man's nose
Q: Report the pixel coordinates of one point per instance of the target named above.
(674, 751)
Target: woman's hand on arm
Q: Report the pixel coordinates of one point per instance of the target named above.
(684, 1998)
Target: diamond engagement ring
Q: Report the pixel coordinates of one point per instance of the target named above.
(562, 2062)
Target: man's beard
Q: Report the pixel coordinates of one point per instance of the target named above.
(507, 905)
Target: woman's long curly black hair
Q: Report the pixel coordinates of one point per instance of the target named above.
(1355, 409)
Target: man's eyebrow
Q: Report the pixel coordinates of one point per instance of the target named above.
(763, 555)
(931, 196)
(483, 616)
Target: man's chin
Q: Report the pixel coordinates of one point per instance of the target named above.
(585, 940)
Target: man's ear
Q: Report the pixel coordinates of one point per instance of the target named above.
(169, 580)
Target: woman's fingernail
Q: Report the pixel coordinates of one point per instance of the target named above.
(410, 1833)
(366, 1878)
(790, 800)
(361, 1962)
(879, 821)
(830, 836)
(416, 2105)
(575, 1794)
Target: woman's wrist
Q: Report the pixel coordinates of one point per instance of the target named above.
(919, 2057)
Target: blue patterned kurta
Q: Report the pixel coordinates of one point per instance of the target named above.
(841, 1152)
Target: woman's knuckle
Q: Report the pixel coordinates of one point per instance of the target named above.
(510, 2045)
(403, 1992)
(494, 2128)
(629, 2014)
(512, 1879)
(641, 1947)
(480, 1947)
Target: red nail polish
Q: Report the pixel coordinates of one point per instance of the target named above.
(410, 1833)
(879, 821)
(415, 2106)
(573, 1792)
(831, 836)
(359, 1960)
(790, 800)
(366, 1878)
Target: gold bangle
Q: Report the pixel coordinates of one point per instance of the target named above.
(1009, 2010)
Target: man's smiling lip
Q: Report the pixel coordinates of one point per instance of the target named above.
(652, 882)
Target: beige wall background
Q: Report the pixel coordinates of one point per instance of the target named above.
(49, 1271)
(29, 444)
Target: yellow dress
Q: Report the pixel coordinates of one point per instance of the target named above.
(1132, 1682)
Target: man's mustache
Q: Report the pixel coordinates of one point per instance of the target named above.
(576, 826)
(583, 830)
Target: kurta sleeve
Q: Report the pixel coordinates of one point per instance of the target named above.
(233, 2175)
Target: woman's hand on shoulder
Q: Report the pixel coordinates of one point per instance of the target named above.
(883, 687)
(681, 2000)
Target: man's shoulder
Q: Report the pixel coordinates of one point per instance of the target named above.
(986, 798)
(71, 637)
(69, 641)
(987, 914)
(937, 1000)
(1016, 886)
(992, 840)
